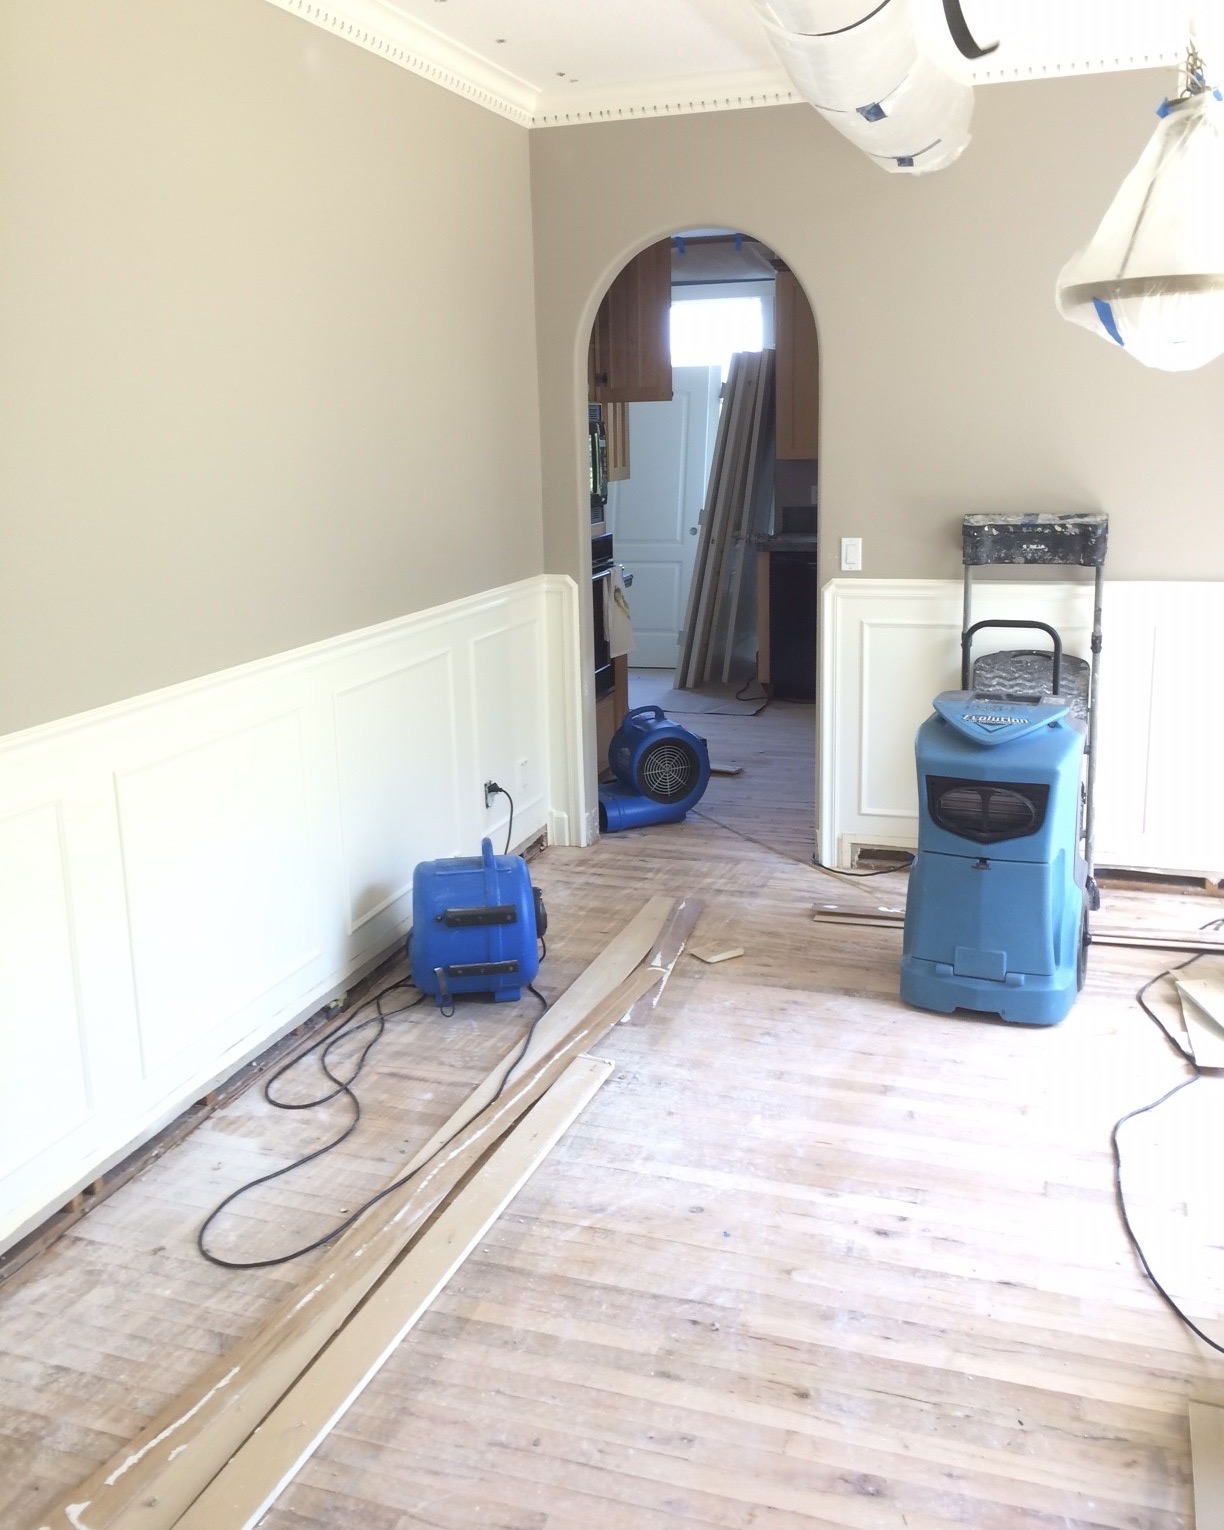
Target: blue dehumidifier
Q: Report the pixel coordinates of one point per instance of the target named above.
(475, 926)
(661, 770)
(996, 916)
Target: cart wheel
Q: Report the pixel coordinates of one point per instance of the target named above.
(1085, 940)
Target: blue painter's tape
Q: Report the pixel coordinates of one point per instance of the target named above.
(906, 161)
(1105, 313)
(1163, 109)
(871, 113)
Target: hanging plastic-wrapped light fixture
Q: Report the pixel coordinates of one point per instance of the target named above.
(1152, 279)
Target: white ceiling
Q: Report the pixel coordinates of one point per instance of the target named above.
(546, 62)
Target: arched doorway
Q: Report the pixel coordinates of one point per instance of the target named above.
(662, 390)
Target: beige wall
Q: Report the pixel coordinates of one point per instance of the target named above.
(950, 385)
(267, 347)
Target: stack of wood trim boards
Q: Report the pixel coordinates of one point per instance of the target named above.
(222, 1452)
(740, 471)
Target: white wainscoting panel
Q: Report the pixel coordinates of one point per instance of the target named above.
(46, 1079)
(508, 674)
(219, 871)
(889, 646)
(396, 750)
(186, 875)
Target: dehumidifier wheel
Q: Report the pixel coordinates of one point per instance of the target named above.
(1085, 940)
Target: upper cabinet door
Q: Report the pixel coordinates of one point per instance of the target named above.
(631, 343)
(797, 371)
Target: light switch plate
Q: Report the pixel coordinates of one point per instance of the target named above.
(851, 555)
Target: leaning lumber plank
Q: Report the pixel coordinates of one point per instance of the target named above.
(740, 392)
(232, 1395)
(705, 527)
(762, 423)
(251, 1481)
(743, 405)
(737, 509)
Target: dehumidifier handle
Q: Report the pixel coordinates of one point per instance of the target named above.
(995, 621)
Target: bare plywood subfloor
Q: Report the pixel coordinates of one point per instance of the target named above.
(810, 1259)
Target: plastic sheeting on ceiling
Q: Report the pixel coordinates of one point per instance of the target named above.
(891, 77)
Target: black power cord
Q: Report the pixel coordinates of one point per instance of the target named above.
(812, 865)
(493, 790)
(344, 1087)
(1119, 1192)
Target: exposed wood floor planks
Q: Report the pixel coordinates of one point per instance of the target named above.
(810, 1258)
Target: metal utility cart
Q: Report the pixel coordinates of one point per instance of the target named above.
(1040, 541)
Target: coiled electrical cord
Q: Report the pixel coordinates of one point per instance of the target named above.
(343, 1086)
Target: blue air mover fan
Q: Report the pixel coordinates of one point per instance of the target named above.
(475, 922)
(661, 771)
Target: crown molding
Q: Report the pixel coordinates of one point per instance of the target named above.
(382, 29)
(389, 33)
(988, 71)
(392, 35)
(667, 98)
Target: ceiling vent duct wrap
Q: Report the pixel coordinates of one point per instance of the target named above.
(869, 70)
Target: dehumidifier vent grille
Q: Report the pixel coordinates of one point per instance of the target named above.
(986, 811)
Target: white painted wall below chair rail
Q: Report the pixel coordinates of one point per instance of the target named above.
(889, 645)
(185, 875)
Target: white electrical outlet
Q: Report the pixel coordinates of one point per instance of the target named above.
(852, 555)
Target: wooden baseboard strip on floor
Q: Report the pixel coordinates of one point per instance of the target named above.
(251, 1481)
(1135, 938)
(155, 1478)
(1207, 1462)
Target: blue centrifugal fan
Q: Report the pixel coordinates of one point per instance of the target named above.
(661, 770)
(996, 916)
(476, 923)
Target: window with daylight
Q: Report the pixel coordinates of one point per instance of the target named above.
(706, 332)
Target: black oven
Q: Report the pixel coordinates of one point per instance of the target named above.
(601, 572)
(599, 462)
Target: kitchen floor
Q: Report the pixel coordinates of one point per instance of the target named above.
(810, 1258)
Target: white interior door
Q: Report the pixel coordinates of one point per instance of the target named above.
(653, 514)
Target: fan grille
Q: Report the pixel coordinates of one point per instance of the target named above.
(668, 771)
(986, 811)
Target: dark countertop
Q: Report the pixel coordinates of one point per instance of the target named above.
(785, 541)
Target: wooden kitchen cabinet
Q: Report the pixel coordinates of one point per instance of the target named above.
(631, 343)
(616, 434)
(798, 414)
